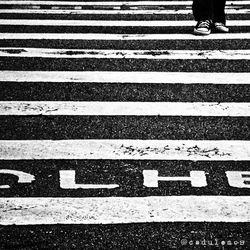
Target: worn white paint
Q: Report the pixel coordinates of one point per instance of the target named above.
(113, 210)
(113, 12)
(151, 178)
(193, 150)
(125, 37)
(238, 179)
(100, 3)
(124, 108)
(129, 54)
(112, 3)
(67, 181)
(111, 23)
(22, 177)
(141, 77)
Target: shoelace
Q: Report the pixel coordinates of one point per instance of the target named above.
(204, 24)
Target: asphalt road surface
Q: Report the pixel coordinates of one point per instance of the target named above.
(122, 130)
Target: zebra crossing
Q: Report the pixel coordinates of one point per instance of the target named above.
(95, 94)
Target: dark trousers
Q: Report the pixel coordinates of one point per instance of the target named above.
(209, 9)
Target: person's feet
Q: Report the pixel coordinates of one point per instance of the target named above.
(220, 27)
(203, 28)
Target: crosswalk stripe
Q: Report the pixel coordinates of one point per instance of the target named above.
(191, 150)
(111, 23)
(124, 108)
(125, 77)
(113, 210)
(133, 54)
(113, 12)
(114, 3)
(125, 37)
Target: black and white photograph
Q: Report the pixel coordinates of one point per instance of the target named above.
(124, 125)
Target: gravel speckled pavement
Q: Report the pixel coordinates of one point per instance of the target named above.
(120, 129)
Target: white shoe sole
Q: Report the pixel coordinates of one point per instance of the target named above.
(202, 33)
(218, 30)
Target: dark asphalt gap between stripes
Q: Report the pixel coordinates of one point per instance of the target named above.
(112, 16)
(97, 29)
(109, 64)
(232, 44)
(124, 127)
(104, 17)
(146, 92)
(105, 29)
(128, 174)
(149, 236)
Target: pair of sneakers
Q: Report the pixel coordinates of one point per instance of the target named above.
(204, 27)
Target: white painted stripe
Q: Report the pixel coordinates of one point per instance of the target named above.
(113, 210)
(131, 54)
(190, 150)
(125, 37)
(113, 3)
(124, 108)
(113, 12)
(111, 23)
(125, 77)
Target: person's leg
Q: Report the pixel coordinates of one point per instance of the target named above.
(203, 9)
(219, 11)
(219, 17)
(203, 14)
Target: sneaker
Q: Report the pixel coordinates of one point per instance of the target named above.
(203, 28)
(220, 27)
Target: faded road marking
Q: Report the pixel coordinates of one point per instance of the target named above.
(109, 23)
(126, 54)
(125, 77)
(193, 150)
(112, 210)
(124, 108)
(231, 11)
(115, 37)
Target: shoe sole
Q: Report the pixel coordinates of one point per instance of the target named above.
(220, 31)
(201, 33)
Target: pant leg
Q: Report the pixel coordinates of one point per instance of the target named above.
(219, 11)
(203, 9)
